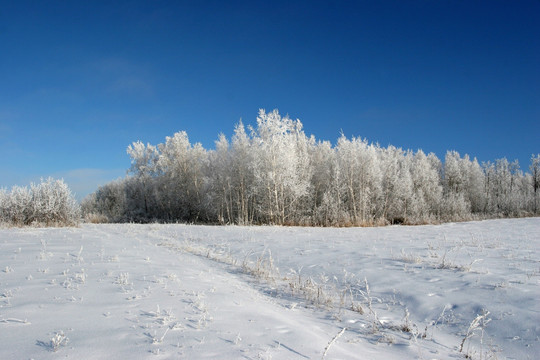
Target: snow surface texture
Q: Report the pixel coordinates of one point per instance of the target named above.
(201, 292)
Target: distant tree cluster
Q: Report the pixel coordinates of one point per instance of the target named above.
(275, 174)
(49, 203)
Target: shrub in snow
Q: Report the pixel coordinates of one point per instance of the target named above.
(48, 203)
(56, 342)
(17, 206)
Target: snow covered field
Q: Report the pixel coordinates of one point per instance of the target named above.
(196, 292)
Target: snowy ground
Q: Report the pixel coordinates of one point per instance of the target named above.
(200, 292)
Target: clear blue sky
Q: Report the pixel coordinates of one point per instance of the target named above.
(81, 80)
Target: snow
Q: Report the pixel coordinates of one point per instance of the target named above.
(230, 292)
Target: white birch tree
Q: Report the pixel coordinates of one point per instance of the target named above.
(534, 169)
(278, 181)
(427, 190)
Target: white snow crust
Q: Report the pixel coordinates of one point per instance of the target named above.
(230, 292)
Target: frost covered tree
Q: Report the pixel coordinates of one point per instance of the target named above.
(183, 170)
(140, 194)
(464, 185)
(243, 177)
(279, 183)
(361, 179)
(504, 187)
(534, 169)
(4, 197)
(397, 185)
(455, 204)
(220, 176)
(454, 173)
(427, 190)
(108, 203)
(474, 185)
(323, 199)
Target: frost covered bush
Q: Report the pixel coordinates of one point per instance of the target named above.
(48, 203)
(16, 205)
(107, 204)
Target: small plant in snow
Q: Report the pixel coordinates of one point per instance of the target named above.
(467, 268)
(444, 263)
(355, 306)
(56, 342)
(477, 325)
(7, 294)
(166, 317)
(172, 277)
(407, 326)
(440, 320)
(203, 320)
(122, 279)
(367, 297)
(44, 254)
(266, 355)
(410, 258)
(200, 305)
(331, 342)
(157, 340)
(80, 277)
(78, 255)
(163, 317)
(263, 269)
(68, 284)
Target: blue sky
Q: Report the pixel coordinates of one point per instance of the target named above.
(81, 80)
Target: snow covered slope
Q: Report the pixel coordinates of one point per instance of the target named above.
(204, 292)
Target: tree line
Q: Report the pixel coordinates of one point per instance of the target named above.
(275, 174)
